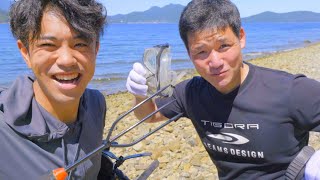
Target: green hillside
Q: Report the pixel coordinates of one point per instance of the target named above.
(3, 16)
(171, 14)
(167, 14)
(297, 16)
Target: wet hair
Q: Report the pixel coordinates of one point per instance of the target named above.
(86, 17)
(200, 15)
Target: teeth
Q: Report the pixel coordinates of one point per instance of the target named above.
(66, 77)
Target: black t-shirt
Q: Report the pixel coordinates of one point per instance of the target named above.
(256, 130)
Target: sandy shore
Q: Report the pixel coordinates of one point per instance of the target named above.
(177, 146)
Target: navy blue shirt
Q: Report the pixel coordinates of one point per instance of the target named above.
(33, 142)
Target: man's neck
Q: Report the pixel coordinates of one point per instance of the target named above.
(66, 112)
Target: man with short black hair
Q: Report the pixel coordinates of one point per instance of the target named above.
(50, 119)
(253, 121)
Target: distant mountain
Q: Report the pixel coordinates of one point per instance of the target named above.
(5, 5)
(167, 14)
(171, 14)
(3, 16)
(4, 9)
(297, 16)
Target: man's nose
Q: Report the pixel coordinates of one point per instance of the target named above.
(66, 57)
(215, 61)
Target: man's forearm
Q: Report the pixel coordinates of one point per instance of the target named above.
(145, 109)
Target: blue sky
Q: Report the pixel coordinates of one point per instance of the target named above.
(246, 7)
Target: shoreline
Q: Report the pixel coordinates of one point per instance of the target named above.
(304, 60)
(174, 146)
(255, 58)
(305, 45)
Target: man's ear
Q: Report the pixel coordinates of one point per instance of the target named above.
(24, 52)
(97, 47)
(242, 38)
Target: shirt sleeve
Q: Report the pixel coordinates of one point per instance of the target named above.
(305, 103)
(103, 108)
(177, 104)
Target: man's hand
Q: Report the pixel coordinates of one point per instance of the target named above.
(312, 171)
(136, 82)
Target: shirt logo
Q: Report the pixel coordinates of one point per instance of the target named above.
(229, 138)
(230, 125)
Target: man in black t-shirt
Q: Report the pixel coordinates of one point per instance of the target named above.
(253, 121)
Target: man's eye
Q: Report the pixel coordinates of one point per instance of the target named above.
(46, 45)
(224, 46)
(201, 52)
(81, 45)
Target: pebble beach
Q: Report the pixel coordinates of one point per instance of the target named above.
(177, 146)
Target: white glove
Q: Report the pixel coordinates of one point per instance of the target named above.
(312, 171)
(136, 82)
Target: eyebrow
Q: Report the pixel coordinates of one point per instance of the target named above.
(222, 39)
(197, 47)
(46, 37)
(49, 37)
(218, 38)
(83, 37)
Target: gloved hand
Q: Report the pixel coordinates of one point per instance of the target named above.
(136, 82)
(312, 171)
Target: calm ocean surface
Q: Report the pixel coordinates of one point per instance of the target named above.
(124, 44)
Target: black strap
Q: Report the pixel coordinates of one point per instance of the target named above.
(106, 170)
(296, 168)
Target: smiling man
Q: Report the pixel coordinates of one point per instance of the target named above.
(253, 121)
(49, 119)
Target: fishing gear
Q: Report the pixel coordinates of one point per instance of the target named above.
(120, 160)
(157, 60)
(161, 80)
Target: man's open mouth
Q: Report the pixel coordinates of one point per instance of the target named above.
(67, 78)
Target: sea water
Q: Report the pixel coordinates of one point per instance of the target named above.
(124, 44)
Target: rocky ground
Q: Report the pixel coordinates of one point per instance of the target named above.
(177, 146)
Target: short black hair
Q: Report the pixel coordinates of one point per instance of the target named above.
(87, 17)
(199, 15)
